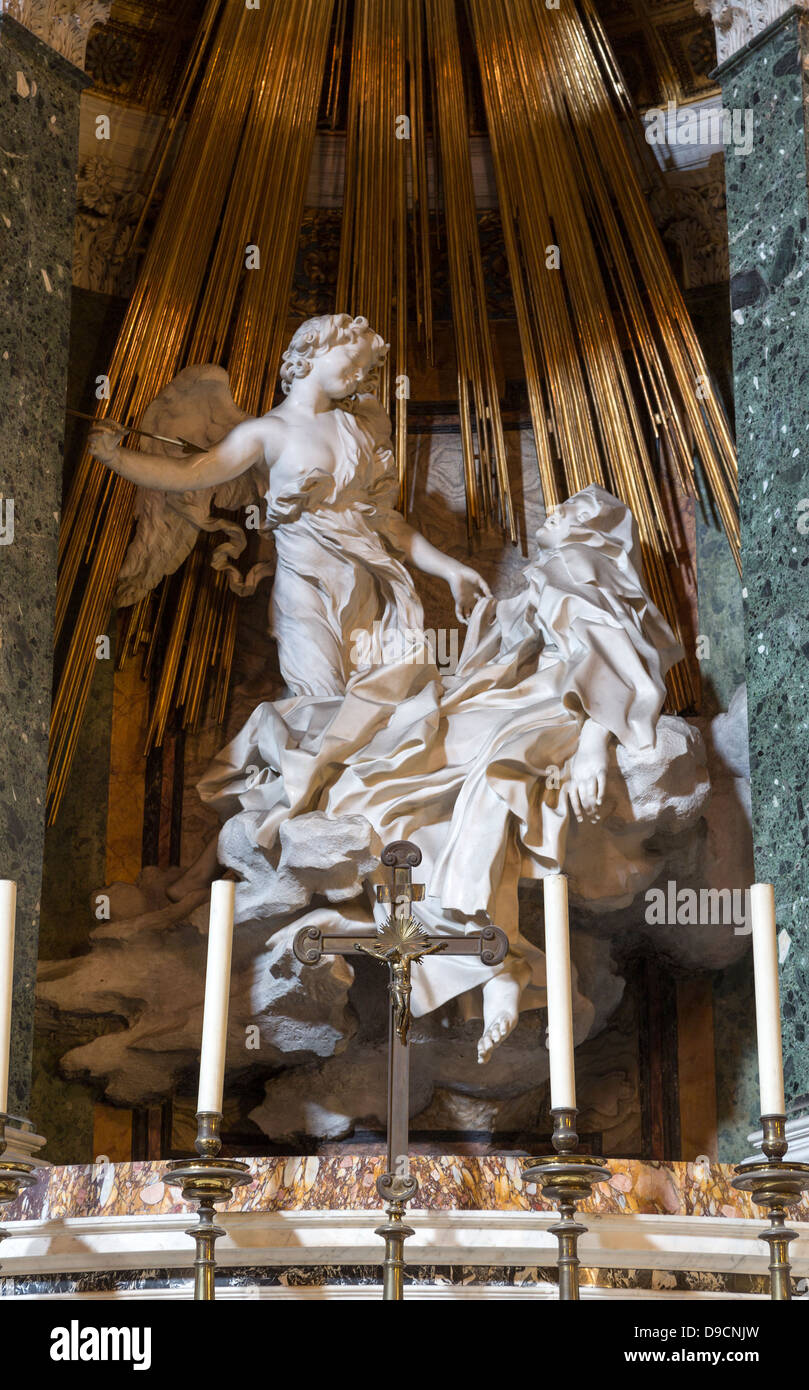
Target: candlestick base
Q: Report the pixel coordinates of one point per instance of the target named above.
(397, 1191)
(775, 1185)
(14, 1175)
(566, 1177)
(206, 1180)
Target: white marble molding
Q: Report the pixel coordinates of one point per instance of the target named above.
(723, 1245)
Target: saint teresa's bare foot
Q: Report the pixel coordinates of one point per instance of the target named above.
(501, 1008)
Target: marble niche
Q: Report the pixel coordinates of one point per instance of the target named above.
(307, 1045)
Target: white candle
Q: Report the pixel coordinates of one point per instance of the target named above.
(217, 997)
(768, 1002)
(8, 909)
(560, 998)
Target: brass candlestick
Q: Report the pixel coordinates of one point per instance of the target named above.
(206, 1180)
(775, 1185)
(566, 1177)
(14, 1175)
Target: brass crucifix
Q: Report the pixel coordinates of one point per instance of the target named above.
(400, 943)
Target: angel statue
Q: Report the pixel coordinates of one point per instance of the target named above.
(513, 767)
(321, 468)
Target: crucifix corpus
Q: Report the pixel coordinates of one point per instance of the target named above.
(400, 943)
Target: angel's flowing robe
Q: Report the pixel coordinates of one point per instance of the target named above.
(335, 575)
(470, 768)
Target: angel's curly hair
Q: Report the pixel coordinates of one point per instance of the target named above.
(326, 331)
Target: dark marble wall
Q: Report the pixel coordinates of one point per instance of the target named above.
(768, 217)
(722, 668)
(75, 845)
(719, 588)
(39, 108)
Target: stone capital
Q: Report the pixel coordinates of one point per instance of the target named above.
(62, 24)
(736, 22)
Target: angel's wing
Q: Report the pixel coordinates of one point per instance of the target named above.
(197, 406)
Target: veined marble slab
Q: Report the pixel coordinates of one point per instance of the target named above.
(346, 1183)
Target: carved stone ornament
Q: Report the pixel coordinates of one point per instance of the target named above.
(107, 208)
(691, 216)
(738, 21)
(63, 24)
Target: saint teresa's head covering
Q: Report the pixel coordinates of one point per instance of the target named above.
(591, 600)
(599, 521)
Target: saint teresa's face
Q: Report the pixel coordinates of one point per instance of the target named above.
(559, 523)
(340, 370)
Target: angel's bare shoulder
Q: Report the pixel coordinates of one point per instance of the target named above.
(270, 429)
(253, 439)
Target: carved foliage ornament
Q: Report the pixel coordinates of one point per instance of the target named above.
(63, 24)
(108, 204)
(691, 214)
(738, 21)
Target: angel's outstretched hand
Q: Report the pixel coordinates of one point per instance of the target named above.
(104, 441)
(467, 588)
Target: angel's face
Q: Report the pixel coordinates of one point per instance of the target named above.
(341, 370)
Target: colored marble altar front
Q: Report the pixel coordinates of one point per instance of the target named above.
(305, 1228)
(348, 1183)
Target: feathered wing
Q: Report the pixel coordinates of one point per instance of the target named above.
(196, 406)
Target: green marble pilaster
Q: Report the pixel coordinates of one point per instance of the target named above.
(39, 118)
(768, 224)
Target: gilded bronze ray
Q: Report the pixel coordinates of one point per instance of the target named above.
(618, 388)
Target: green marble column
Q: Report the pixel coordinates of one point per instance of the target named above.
(768, 224)
(39, 117)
